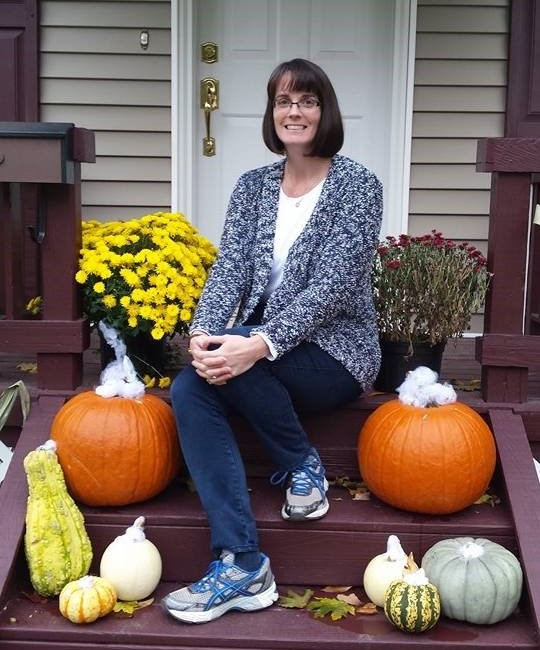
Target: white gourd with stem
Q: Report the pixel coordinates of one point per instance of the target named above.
(384, 568)
(132, 563)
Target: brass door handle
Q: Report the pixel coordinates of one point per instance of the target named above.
(209, 88)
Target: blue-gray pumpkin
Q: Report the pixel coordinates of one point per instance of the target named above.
(479, 581)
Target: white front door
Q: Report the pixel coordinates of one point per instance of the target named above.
(363, 45)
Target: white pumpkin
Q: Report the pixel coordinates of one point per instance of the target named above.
(384, 568)
(132, 563)
(479, 581)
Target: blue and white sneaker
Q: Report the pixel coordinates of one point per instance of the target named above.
(305, 497)
(225, 586)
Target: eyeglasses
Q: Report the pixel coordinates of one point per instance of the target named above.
(304, 104)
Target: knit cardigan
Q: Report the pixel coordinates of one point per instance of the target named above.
(325, 296)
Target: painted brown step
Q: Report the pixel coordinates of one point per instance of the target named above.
(41, 627)
(332, 550)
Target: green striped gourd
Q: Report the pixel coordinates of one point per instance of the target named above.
(57, 546)
(412, 603)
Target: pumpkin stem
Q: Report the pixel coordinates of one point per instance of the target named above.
(410, 566)
(86, 582)
(134, 533)
(139, 522)
(394, 550)
(471, 550)
(412, 575)
(49, 445)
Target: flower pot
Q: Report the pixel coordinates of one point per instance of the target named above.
(146, 354)
(399, 357)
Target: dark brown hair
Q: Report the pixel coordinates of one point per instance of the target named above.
(309, 77)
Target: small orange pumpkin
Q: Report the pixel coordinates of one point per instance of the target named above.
(116, 450)
(433, 460)
(87, 599)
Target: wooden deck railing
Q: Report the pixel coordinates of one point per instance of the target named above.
(507, 350)
(46, 157)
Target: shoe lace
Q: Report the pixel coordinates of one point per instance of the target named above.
(302, 479)
(211, 578)
(220, 584)
(278, 478)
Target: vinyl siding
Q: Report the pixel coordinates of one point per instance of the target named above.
(459, 97)
(95, 74)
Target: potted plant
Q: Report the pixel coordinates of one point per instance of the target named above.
(426, 289)
(143, 277)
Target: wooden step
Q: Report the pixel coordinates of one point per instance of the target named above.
(25, 625)
(332, 550)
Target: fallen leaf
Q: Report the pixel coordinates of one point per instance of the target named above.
(296, 600)
(352, 599)
(336, 590)
(361, 494)
(27, 366)
(466, 385)
(490, 499)
(357, 489)
(145, 603)
(367, 608)
(129, 607)
(337, 609)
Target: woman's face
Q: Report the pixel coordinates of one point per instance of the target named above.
(296, 124)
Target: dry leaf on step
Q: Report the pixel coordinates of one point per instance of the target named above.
(368, 608)
(352, 599)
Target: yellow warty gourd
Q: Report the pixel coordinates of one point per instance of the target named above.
(57, 546)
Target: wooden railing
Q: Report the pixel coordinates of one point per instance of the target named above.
(45, 157)
(509, 346)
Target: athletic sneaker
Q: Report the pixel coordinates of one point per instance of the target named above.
(305, 497)
(224, 587)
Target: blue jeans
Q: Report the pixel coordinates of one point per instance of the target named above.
(267, 396)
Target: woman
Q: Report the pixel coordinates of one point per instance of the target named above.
(293, 277)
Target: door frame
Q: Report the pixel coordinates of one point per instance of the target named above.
(184, 115)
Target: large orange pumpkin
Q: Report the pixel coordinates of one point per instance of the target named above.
(434, 460)
(116, 450)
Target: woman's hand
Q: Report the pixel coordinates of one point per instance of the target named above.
(234, 355)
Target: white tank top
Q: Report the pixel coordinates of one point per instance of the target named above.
(292, 217)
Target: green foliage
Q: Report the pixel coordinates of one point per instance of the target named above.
(295, 600)
(8, 398)
(334, 607)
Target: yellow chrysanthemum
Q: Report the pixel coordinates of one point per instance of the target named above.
(109, 301)
(145, 273)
